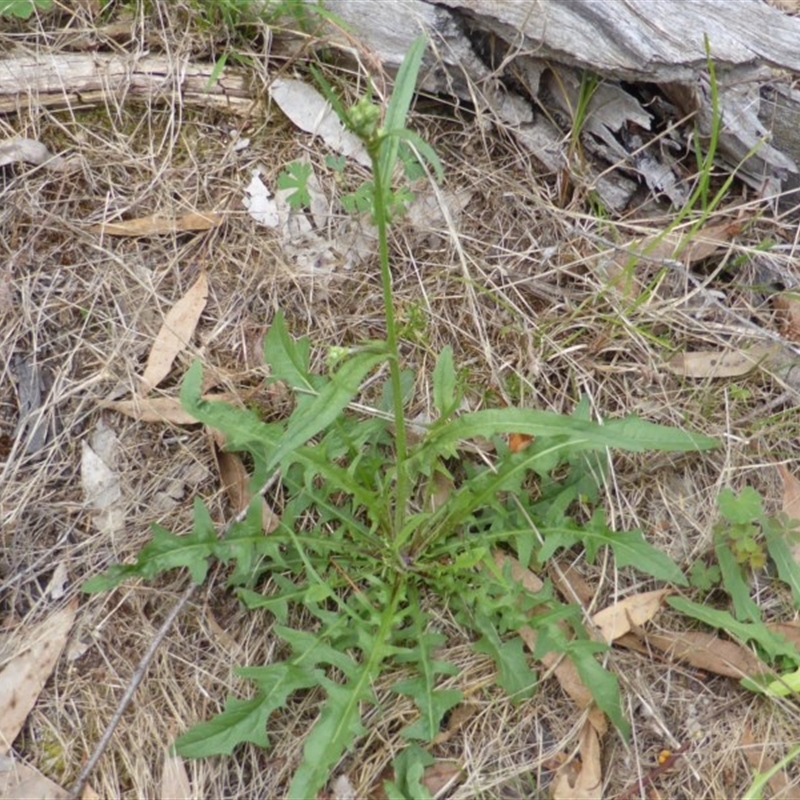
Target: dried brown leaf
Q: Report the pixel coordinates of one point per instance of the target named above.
(161, 409)
(441, 774)
(702, 650)
(174, 780)
(176, 331)
(673, 245)
(21, 782)
(676, 245)
(717, 364)
(569, 583)
(791, 493)
(620, 618)
(791, 503)
(152, 409)
(225, 639)
(89, 793)
(157, 225)
(25, 674)
(456, 720)
(236, 482)
(788, 305)
(439, 489)
(789, 630)
(587, 782)
(756, 754)
(234, 478)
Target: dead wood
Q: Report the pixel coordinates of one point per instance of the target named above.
(73, 80)
(527, 63)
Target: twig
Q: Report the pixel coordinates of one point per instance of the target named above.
(138, 677)
(651, 776)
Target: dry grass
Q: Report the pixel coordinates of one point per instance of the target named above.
(516, 285)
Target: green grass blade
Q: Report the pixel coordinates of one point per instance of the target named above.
(735, 584)
(444, 383)
(788, 568)
(629, 548)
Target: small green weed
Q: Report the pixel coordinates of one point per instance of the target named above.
(744, 539)
(361, 544)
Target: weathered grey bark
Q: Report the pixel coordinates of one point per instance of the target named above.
(72, 80)
(525, 60)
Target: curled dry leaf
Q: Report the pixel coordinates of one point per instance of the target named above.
(101, 482)
(236, 481)
(702, 650)
(456, 720)
(260, 202)
(788, 305)
(585, 783)
(441, 775)
(176, 331)
(22, 782)
(569, 583)
(517, 442)
(634, 611)
(342, 789)
(717, 364)
(224, 639)
(157, 225)
(31, 151)
(56, 586)
(25, 674)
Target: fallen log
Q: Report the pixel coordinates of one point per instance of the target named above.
(644, 65)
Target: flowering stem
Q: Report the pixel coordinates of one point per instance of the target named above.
(382, 223)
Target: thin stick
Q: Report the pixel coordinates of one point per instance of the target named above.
(651, 776)
(138, 677)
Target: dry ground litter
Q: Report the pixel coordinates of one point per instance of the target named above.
(518, 284)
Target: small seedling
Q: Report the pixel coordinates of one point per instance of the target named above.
(295, 177)
(743, 540)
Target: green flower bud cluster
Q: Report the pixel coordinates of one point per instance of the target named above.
(364, 118)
